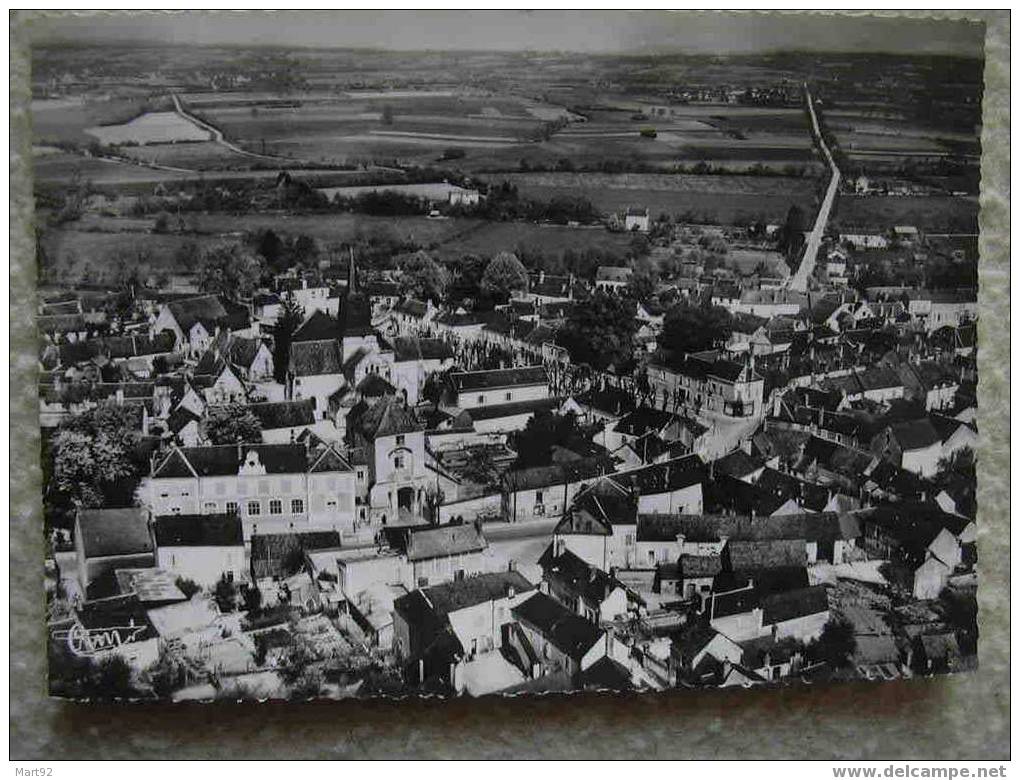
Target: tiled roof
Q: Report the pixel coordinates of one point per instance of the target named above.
(316, 358)
(499, 378)
(426, 542)
(766, 554)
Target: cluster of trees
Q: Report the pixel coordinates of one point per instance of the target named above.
(690, 327)
(283, 252)
(600, 333)
(544, 431)
(503, 203)
(231, 271)
(94, 460)
(231, 424)
(384, 203)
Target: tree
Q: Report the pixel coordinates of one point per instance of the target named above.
(545, 429)
(691, 328)
(423, 278)
(289, 320)
(225, 594)
(166, 674)
(230, 271)
(232, 424)
(836, 645)
(601, 332)
(188, 587)
(504, 276)
(93, 453)
(272, 250)
(387, 115)
(791, 234)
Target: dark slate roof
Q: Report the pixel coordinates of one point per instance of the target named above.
(577, 575)
(441, 600)
(273, 554)
(558, 473)
(318, 327)
(568, 632)
(495, 411)
(238, 316)
(643, 420)
(701, 365)
(180, 417)
(734, 603)
(206, 309)
(226, 459)
(216, 530)
(915, 434)
(313, 358)
(499, 378)
(821, 527)
(664, 477)
(388, 417)
(374, 386)
(793, 604)
(606, 675)
(110, 532)
(738, 464)
(284, 414)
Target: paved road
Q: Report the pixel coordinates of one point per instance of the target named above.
(807, 266)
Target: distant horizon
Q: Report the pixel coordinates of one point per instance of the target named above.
(594, 33)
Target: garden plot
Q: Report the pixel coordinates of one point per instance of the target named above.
(161, 127)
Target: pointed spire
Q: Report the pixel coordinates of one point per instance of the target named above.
(352, 276)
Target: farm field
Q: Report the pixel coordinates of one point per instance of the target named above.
(937, 214)
(198, 156)
(158, 127)
(69, 120)
(717, 199)
(96, 239)
(490, 238)
(59, 168)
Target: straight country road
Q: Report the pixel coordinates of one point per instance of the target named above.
(814, 242)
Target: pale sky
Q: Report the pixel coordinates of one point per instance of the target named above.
(579, 31)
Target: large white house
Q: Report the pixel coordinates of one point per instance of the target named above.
(275, 488)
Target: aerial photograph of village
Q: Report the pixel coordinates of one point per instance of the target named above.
(372, 369)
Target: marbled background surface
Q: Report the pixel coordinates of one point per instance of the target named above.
(964, 717)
